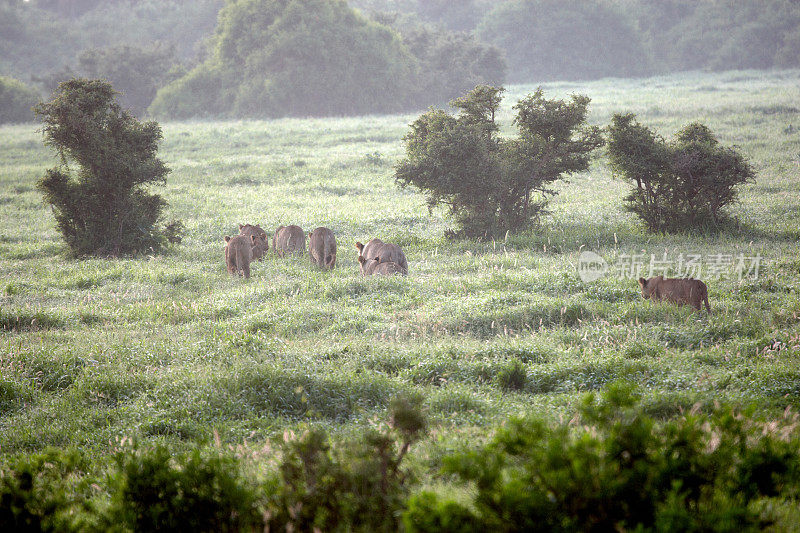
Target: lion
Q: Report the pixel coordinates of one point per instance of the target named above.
(680, 291)
(289, 239)
(262, 241)
(322, 247)
(384, 252)
(376, 267)
(239, 254)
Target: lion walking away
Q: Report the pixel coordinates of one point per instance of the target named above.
(239, 254)
(322, 247)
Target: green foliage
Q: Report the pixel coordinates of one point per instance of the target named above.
(454, 15)
(563, 39)
(721, 35)
(487, 182)
(619, 470)
(154, 490)
(16, 101)
(297, 58)
(361, 486)
(35, 492)
(137, 72)
(450, 63)
(104, 209)
(40, 38)
(679, 185)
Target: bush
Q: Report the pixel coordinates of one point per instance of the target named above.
(619, 470)
(361, 486)
(34, 492)
(156, 491)
(679, 185)
(16, 101)
(492, 185)
(103, 209)
(564, 39)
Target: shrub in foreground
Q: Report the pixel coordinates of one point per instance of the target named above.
(361, 486)
(35, 494)
(619, 471)
(682, 184)
(156, 491)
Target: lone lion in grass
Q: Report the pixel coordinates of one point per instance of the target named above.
(322, 247)
(374, 267)
(262, 241)
(289, 239)
(680, 291)
(384, 252)
(239, 254)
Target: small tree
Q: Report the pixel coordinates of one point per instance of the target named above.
(102, 208)
(681, 184)
(491, 184)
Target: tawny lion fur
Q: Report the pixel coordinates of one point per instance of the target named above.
(385, 253)
(239, 254)
(374, 267)
(262, 241)
(680, 291)
(289, 239)
(322, 247)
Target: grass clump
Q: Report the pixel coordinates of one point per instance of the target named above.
(28, 320)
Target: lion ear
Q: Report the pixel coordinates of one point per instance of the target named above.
(227, 238)
(642, 282)
(240, 226)
(310, 233)
(359, 246)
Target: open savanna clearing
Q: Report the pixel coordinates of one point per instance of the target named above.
(170, 348)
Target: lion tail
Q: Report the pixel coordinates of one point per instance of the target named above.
(328, 257)
(242, 261)
(705, 299)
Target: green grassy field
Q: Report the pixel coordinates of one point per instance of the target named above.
(170, 348)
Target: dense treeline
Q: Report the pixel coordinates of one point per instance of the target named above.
(549, 39)
(274, 58)
(419, 53)
(41, 37)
